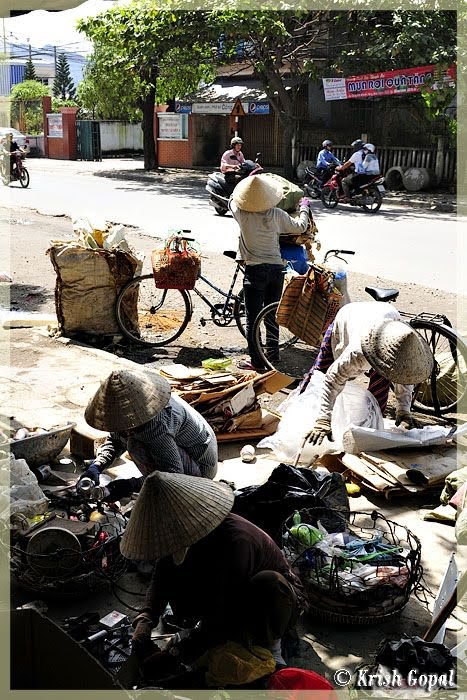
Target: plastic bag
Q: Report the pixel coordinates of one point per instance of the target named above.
(354, 405)
(216, 363)
(25, 495)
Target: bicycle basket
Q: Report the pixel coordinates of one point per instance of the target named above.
(309, 304)
(355, 571)
(177, 265)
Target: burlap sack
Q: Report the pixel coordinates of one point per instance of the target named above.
(88, 283)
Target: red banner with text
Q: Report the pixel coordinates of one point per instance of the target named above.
(394, 82)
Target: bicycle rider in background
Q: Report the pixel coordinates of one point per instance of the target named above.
(325, 159)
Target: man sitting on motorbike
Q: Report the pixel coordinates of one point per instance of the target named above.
(369, 168)
(355, 163)
(232, 159)
(14, 150)
(324, 160)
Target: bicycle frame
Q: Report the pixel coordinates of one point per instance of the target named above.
(227, 295)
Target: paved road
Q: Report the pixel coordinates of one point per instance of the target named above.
(398, 243)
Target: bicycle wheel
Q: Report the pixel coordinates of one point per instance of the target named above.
(278, 348)
(152, 316)
(24, 178)
(447, 385)
(328, 198)
(240, 313)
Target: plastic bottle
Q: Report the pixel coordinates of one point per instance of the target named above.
(296, 518)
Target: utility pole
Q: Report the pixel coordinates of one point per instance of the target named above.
(4, 37)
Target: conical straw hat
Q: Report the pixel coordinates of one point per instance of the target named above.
(255, 193)
(397, 352)
(174, 511)
(127, 399)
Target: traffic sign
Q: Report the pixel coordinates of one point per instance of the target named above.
(237, 110)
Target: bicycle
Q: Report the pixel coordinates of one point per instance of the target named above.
(438, 395)
(163, 314)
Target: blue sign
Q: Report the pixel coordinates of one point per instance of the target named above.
(182, 108)
(258, 108)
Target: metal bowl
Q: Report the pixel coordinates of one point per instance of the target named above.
(42, 448)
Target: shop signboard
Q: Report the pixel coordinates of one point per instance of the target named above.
(395, 82)
(55, 123)
(170, 126)
(258, 108)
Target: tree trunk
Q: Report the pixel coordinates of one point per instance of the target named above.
(288, 126)
(149, 144)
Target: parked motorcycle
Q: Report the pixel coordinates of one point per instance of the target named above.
(368, 195)
(221, 189)
(315, 180)
(19, 172)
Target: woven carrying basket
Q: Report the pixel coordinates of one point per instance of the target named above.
(335, 600)
(309, 304)
(176, 266)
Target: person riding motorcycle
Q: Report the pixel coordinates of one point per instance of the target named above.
(369, 168)
(232, 159)
(324, 160)
(356, 163)
(11, 147)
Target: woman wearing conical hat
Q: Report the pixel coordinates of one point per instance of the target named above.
(370, 337)
(254, 206)
(159, 430)
(212, 566)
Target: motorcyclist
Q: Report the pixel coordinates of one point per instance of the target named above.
(232, 159)
(370, 166)
(324, 160)
(14, 150)
(356, 163)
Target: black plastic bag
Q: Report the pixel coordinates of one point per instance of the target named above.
(289, 489)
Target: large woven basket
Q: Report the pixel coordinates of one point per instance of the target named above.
(334, 598)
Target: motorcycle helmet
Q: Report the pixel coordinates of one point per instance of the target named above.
(369, 147)
(357, 144)
(326, 143)
(236, 139)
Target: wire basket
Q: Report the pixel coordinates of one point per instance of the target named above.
(93, 566)
(352, 582)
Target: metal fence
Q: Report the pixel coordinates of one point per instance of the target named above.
(443, 162)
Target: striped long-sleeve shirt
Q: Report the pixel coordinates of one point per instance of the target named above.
(154, 446)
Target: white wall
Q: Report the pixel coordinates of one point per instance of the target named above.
(119, 136)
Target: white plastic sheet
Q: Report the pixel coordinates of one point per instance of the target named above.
(366, 439)
(299, 411)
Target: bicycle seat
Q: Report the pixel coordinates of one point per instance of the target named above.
(380, 294)
(230, 254)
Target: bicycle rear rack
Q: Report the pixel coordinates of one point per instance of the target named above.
(426, 316)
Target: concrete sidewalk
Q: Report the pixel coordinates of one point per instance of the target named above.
(50, 381)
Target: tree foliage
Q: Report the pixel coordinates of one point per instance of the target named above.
(26, 105)
(63, 86)
(389, 40)
(30, 71)
(132, 45)
(284, 49)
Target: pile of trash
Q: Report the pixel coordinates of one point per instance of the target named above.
(228, 400)
(353, 569)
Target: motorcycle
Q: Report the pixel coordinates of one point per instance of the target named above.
(220, 189)
(18, 172)
(368, 195)
(315, 180)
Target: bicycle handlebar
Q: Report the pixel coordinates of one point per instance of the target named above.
(337, 253)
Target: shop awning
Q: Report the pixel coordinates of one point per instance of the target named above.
(220, 99)
(20, 7)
